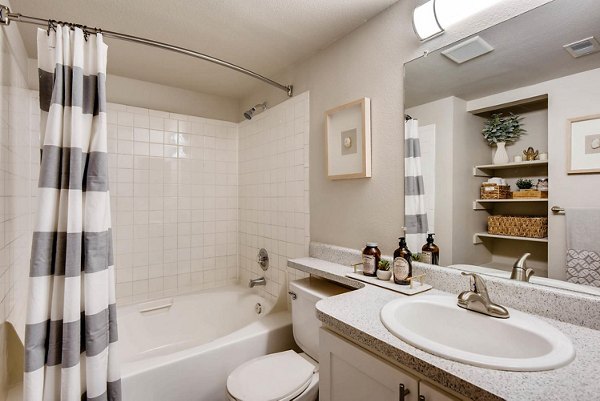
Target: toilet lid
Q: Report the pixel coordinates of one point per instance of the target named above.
(273, 377)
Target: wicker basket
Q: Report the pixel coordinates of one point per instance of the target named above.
(530, 194)
(518, 226)
(495, 191)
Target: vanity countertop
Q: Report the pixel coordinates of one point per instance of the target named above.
(355, 315)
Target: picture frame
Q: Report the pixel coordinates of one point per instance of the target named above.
(583, 145)
(348, 140)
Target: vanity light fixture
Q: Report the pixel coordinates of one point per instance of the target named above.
(431, 18)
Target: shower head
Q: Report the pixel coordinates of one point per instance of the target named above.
(259, 107)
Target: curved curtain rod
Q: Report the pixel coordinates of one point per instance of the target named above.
(6, 17)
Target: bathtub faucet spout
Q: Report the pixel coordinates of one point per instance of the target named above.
(257, 281)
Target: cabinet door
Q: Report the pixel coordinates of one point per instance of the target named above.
(430, 393)
(347, 373)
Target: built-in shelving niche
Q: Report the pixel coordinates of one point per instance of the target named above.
(504, 250)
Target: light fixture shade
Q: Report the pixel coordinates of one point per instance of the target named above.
(425, 21)
(434, 16)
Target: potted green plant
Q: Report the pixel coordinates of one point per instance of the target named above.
(501, 130)
(524, 183)
(383, 270)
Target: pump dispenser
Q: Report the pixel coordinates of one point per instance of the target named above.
(402, 266)
(430, 253)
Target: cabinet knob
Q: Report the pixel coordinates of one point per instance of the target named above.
(403, 392)
(421, 398)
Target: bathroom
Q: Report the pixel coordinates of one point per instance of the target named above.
(233, 266)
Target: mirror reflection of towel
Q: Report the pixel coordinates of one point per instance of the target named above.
(583, 246)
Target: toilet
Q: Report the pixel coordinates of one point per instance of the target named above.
(288, 375)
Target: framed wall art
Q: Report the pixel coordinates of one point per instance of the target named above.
(348, 140)
(583, 145)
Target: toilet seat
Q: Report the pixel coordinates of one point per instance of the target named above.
(275, 377)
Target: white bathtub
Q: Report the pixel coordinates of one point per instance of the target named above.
(183, 348)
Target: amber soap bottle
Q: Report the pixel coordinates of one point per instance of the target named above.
(402, 266)
(371, 257)
(430, 253)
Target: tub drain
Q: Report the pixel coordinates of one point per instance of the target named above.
(258, 308)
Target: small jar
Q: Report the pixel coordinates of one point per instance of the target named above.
(371, 256)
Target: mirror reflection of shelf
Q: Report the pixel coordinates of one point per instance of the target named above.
(486, 169)
(478, 238)
(480, 204)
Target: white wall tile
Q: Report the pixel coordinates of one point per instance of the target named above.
(272, 189)
(160, 179)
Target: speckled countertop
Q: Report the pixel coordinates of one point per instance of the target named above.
(355, 315)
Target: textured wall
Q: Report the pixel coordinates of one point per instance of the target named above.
(368, 62)
(155, 96)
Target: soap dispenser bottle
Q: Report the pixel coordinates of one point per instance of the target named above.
(430, 253)
(402, 266)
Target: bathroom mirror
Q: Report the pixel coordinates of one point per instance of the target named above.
(548, 79)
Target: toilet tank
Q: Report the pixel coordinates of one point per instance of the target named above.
(305, 323)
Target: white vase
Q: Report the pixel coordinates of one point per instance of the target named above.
(500, 156)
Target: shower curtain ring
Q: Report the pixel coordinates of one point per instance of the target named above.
(51, 26)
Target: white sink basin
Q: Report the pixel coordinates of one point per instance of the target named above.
(434, 323)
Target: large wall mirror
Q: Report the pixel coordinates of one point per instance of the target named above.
(522, 68)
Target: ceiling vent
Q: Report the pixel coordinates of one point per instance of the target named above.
(583, 47)
(468, 50)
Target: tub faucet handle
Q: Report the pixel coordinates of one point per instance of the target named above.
(263, 259)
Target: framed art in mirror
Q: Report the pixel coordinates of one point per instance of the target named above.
(348, 140)
(583, 145)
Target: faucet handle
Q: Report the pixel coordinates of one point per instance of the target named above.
(477, 285)
(472, 285)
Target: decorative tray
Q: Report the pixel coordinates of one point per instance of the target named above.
(390, 285)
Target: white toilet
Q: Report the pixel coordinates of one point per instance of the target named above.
(287, 376)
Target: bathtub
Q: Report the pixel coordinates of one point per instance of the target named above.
(183, 348)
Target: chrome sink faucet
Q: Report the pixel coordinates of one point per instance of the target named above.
(520, 272)
(478, 300)
(257, 281)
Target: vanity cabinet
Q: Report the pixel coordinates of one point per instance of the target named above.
(350, 373)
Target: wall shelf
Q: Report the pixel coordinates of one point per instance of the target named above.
(480, 204)
(478, 238)
(486, 169)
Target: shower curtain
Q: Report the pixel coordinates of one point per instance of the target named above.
(71, 331)
(415, 212)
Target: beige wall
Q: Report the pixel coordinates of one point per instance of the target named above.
(459, 147)
(570, 97)
(154, 96)
(368, 62)
(469, 149)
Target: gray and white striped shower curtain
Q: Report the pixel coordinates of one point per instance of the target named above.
(415, 212)
(71, 332)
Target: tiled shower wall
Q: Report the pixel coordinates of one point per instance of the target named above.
(273, 190)
(174, 196)
(19, 160)
(178, 213)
